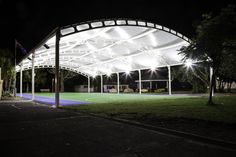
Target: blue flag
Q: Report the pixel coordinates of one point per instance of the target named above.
(20, 51)
(20, 48)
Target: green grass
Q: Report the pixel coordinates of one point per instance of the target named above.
(106, 97)
(134, 106)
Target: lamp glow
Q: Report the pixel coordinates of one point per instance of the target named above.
(108, 74)
(153, 68)
(189, 64)
(122, 33)
(127, 72)
(153, 40)
(94, 75)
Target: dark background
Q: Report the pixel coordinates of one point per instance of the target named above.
(30, 21)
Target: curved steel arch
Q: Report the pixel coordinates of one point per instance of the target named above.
(103, 23)
(49, 67)
(120, 22)
(131, 50)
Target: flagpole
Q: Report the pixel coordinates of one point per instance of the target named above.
(15, 73)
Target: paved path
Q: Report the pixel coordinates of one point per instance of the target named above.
(29, 129)
(51, 101)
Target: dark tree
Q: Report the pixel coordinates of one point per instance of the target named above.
(197, 75)
(64, 75)
(215, 38)
(7, 71)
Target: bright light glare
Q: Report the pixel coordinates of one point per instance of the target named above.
(91, 46)
(94, 75)
(129, 59)
(153, 40)
(105, 35)
(122, 33)
(127, 72)
(153, 68)
(189, 64)
(108, 72)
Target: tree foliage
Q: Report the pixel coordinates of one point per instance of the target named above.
(214, 42)
(27, 78)
(197, 75)
(64, 75)
(8, 71)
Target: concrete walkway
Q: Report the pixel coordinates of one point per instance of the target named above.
(51, 101)
(30, 129)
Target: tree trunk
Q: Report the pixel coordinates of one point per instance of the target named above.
(27, 87)
(210, 102)
(5, 82)
(53, 85)
(219, 85)
(229, 86)
(221, 89)
(9, 85)
(223, 86)
(62, 82)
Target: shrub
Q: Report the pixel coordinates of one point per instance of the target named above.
(159, 90)
(128, 90)
(199, 88)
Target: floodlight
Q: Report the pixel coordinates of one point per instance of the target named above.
(127, 72)
(189, 63)
(94, 75)
(46, 46)
(108, 74)
(153, 68)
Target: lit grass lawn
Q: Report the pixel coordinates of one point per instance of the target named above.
(106, 97)
(134, 106)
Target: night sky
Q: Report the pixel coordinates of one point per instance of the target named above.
(30, 21)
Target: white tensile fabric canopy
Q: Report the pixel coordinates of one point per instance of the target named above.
(110, 46)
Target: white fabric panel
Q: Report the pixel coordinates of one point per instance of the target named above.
(112, 49)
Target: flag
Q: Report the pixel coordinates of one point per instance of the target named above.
(20, 52)
(19, 48)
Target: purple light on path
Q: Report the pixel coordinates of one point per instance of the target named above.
(51, 101)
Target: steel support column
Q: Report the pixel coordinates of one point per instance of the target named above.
(33, 75)
(140, 83)
(101, 85)
(21, 76)
(169, 78)
(88, 84)
(57, 68)
(150, 86)
(118, 83)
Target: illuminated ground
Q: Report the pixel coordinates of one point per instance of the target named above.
(29, 129)
(183, 113)
(151, 106)
(180, 112)
(111, 98)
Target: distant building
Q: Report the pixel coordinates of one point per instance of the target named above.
(83, 88)
(107, 88)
